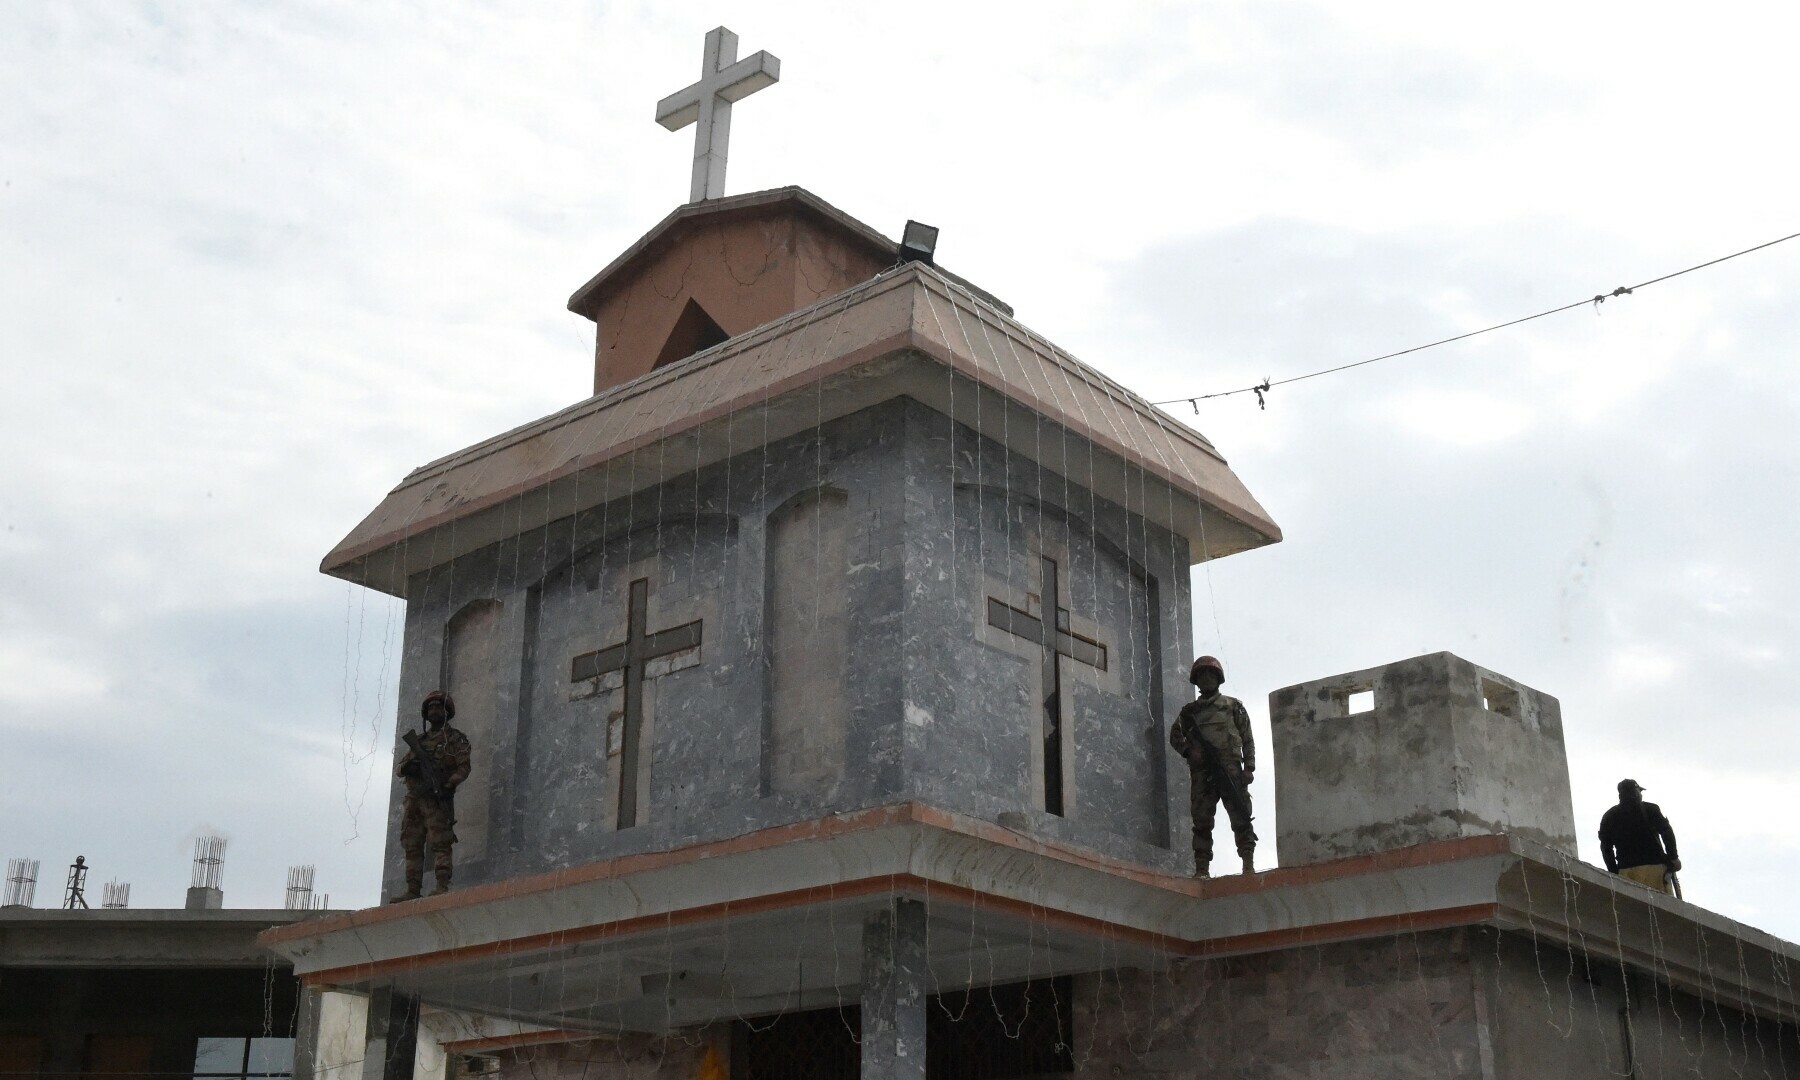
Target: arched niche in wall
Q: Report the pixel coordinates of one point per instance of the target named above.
(576, 721)
(471, 674)
(1107, 765)
(806, 644)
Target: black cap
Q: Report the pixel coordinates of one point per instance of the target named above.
(1629, 785)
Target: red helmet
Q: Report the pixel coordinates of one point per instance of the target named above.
(1205, 662)
(439, 695)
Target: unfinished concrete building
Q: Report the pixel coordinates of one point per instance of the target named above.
(123, 992)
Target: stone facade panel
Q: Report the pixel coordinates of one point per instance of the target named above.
(849, 665)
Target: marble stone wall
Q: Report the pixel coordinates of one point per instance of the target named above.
(1435, 1005)
(807, 644)
(1473, 1003)
(981, 522)
(1553, 1014)
(471, 668)
(842, 582)
(1382, 1009)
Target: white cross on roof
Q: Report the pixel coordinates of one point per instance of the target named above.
(723, 79)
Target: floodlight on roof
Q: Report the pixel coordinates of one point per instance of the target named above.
(918, 242)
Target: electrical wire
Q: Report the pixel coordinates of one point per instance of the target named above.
(1262, 388)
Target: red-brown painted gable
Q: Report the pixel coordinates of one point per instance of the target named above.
(744, 260)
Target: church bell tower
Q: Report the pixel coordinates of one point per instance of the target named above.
(835, 531)
(881, 543)
(817, 671)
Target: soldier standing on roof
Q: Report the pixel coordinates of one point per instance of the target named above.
(1213, 734)
(433, 766)
(1638, 842)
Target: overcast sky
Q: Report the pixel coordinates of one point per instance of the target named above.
(260, 260)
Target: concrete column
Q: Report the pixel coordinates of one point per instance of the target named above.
(306, 1033)
(894, 980)
(430, 1060)
(342, 1033)
(393, 1032)
(205, 899)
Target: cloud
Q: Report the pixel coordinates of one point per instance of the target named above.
(261, 262)
(1594, 505)
(1460, 418)
(34, 674)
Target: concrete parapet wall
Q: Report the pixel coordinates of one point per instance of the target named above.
(1425, 749)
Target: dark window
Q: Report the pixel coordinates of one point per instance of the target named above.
(1000, 1032)
(21, 1055)
(239, 1058)
(991, 1033)
(1498, 697)
(694, 330)
(819, 1044)
(120, 1057)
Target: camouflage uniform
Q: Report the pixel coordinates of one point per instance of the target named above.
(424, 818)
(1213, 734)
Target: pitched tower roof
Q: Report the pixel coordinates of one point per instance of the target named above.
(810, 300)
(738, 263)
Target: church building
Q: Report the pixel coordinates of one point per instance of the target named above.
(818, 671)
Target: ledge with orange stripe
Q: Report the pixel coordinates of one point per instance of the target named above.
(773, 881)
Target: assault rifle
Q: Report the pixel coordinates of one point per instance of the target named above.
(1215, 768)
(428, 770)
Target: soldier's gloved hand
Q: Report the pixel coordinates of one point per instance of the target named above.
(1675, 866)
(1249, 777)
(410, 770)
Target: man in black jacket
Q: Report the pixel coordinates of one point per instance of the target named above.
(1637, 841)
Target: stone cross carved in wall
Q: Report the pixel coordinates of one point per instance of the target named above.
(707, 104)
(1054, 642)
(633, 657)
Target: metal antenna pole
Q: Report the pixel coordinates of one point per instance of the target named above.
(74, 893)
